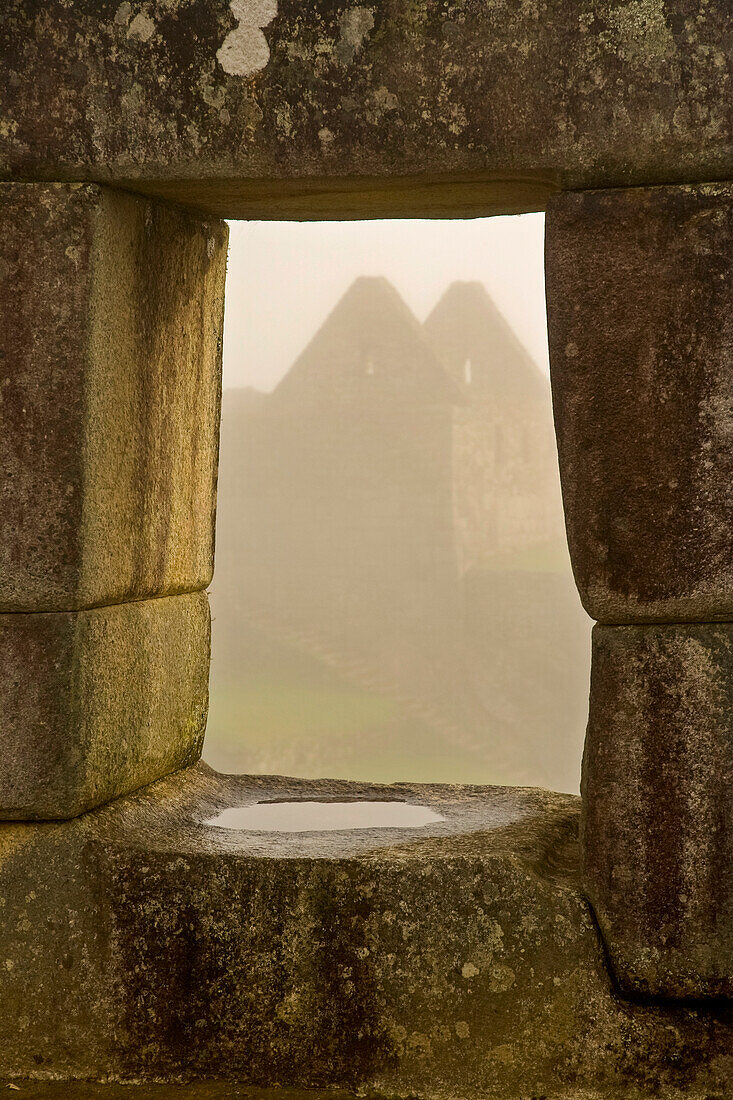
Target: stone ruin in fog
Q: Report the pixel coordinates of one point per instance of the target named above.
(393, 509)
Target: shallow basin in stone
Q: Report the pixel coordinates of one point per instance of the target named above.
(275, 817)
(324, 815)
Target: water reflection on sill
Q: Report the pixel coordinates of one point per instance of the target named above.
(308, 817)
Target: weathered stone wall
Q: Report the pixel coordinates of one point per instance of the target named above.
(110, 397)
(96, 703)
(506, 495)
(640, 313)
(111, 376)
(658, 817)
(331, 109)
(640, 309)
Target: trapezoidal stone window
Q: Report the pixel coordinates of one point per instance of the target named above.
(127, 131)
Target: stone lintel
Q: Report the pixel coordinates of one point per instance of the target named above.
(657, 825)
(354, 197)
(364, 110)
(455, 961)
(94, 704)
(640, 318)
(110, 380)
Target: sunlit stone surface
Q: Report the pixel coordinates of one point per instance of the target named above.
(110, 397)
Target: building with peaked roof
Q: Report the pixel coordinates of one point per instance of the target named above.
(506, 487)
(370, 349)
(481, 351)
(342, 492)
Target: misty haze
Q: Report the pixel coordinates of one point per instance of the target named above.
(393, 598)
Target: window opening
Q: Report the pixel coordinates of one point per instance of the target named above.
(392, 599)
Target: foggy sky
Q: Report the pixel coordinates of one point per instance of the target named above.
(285, 277)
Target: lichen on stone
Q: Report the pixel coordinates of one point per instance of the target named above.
(245, 50)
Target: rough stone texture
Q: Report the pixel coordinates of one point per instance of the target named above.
(230, 1090)
(278, 108)
(110, 357)
(455, 961)
(201, 1090)
(640, 314)
(657, 807)
(96, 703)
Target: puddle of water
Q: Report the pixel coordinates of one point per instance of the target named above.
(310, 817)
